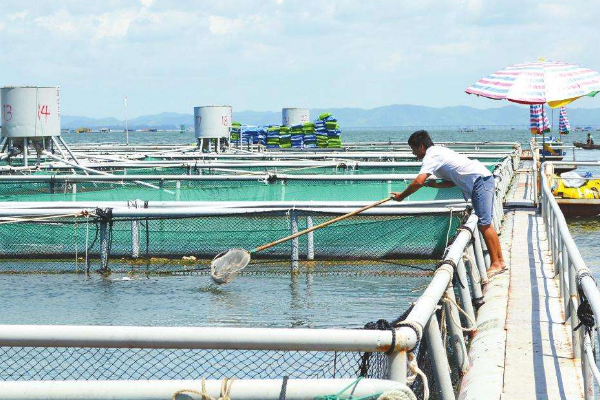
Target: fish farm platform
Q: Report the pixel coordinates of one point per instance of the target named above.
(160, 217)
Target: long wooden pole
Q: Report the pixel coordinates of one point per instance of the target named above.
(322, 225)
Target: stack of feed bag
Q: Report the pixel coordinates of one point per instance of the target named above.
(297, 133)
(328, 131)
(262, 135)
(273, 137)
(236, 129)
(310, 135)
(249, 135)
(285, 137)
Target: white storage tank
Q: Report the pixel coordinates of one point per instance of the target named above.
(30, 111)
(212, 122)
(294, 116)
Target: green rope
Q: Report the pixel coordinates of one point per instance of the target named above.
(339, 395)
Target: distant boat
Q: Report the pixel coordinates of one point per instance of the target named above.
(586, 146)
(466, 130)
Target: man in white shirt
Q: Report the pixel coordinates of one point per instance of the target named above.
(471, 176)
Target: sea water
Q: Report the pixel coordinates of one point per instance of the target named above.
(315, 301)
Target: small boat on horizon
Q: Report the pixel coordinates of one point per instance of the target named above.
(586, 146)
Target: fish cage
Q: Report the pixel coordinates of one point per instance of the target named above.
(185, 239)
(237, 168)
(413, 351)
(265, 187)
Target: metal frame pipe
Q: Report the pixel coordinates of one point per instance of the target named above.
(238, 204)
(356, 340)
(216, 211)
(481, 265)
(104, 246)
(295, 243)
(475, 280)
(241, 389)
(426, 305)
(437, 352)
(465, 293)
(573, 272)
(454, 326)
(310, 240)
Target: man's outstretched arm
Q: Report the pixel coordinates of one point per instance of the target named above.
(415, 185)
(441, 185)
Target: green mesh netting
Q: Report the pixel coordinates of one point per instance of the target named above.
(359, 237)
(247, 190)
(342, 169)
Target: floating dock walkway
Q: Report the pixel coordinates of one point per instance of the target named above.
(523, 348)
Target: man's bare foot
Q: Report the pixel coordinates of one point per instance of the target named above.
(496, 268)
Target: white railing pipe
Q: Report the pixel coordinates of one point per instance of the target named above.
(242, 389)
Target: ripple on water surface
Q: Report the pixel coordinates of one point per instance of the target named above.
(586, 234)
(261, 300)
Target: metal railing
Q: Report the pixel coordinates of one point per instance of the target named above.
(464, 257)
(576, 282)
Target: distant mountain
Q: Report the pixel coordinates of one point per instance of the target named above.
(387, 116)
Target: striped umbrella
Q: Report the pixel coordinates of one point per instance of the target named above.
(552, 82)
(538, 121)
(563, 122)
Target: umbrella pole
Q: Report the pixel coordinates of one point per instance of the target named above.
(543, 138)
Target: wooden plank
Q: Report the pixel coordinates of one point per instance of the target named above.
(539, 362)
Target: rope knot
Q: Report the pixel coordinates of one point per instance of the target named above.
(225, 390)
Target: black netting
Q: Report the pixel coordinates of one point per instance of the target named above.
(44, 363)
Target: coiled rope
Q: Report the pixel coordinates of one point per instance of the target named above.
(449, 300)
(413, 365)
(473, 262)
(584, 310)
(226, 386)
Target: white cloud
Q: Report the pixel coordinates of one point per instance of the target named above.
(222, 25)
(18, 16)
(367, 52)
(114, 24)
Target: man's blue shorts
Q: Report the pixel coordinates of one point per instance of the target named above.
(483, 199)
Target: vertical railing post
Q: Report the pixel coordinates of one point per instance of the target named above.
(135, 232)
(464, 292)
(104, 245)
(564, 264)
(439, 360)
(486, 254)
(556, 240)
(397, 362)
(566, 294)
(457, 340)
(475, 281)
(479, 254)
(310, 240)
(586, 368)
(295, 243)
(573, 304)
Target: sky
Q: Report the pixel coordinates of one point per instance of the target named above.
(172, 55)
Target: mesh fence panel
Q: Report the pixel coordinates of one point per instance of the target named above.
(218, 190)
(188, 243)
(45, 363)
(341, 169)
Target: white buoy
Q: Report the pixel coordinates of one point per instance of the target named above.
(294, 116)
